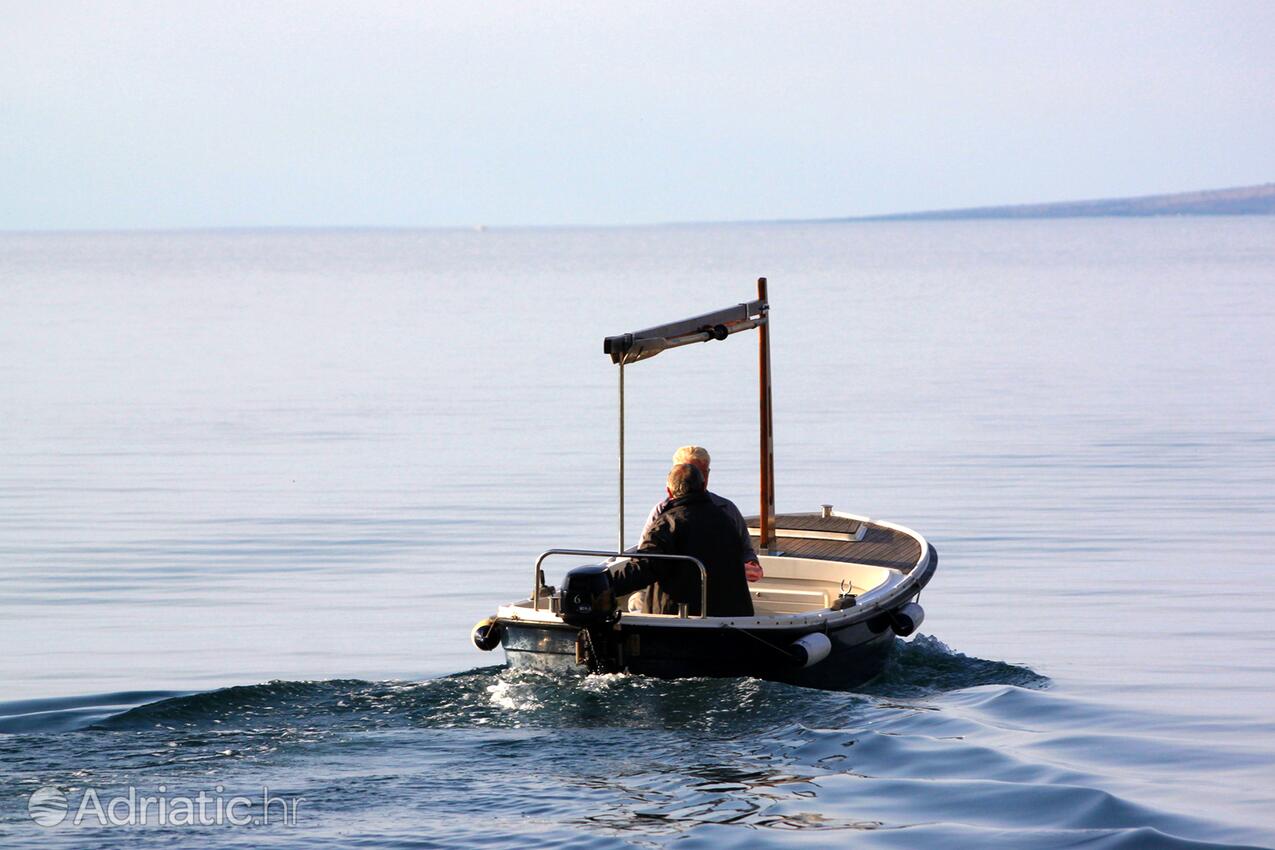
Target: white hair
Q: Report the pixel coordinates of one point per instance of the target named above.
(691, 454)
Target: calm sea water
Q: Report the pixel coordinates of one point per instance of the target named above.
(256, 487)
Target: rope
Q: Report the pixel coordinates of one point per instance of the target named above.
(787, 656)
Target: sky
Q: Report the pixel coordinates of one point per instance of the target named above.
(122, 115)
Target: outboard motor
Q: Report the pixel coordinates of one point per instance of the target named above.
(587, 597)
(588, 602)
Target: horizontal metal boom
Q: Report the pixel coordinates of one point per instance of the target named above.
(640, 345)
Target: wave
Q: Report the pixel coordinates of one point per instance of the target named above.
(941, 750)
(500, 697)
(925, 666)
(61, 714)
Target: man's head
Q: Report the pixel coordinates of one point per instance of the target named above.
(697, 455)
(683, 480)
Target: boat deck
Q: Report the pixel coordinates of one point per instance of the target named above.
(837, 538)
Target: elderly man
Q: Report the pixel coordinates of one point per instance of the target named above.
(698, 457)
(689, 524)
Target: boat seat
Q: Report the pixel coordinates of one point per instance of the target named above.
(780, 596)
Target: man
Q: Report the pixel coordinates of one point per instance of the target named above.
(689, 524)
(697, 456)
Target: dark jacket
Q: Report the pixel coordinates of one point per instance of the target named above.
(691, 525)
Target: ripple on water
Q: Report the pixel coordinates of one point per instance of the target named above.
(942, 750)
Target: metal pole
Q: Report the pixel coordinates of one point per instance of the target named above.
(620, 546)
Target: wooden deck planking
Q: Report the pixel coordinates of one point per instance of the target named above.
(880, 546)
(808, 522)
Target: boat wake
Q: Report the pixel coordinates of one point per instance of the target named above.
(925, 666)
(941, 750)
(63, 714)
(499, 697)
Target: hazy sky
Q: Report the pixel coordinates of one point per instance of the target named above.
(177, 114)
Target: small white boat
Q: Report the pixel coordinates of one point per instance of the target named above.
(838, 587)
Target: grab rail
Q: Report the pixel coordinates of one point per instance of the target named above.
(594, 553)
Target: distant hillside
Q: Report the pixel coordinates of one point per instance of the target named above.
(1245, 200)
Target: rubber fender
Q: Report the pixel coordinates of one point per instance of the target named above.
(487, 634)
(907, 619)
(811, 649)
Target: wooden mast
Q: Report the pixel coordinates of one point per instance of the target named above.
(767, 537)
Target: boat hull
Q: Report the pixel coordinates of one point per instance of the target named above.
(859, 638)
(858, 652)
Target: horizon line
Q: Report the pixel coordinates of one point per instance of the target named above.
(985, 212)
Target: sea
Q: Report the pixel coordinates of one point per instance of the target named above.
(256, 487)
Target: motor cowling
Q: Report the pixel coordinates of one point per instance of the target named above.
(587, 597)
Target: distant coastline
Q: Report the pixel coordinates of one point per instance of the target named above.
(1243, 200)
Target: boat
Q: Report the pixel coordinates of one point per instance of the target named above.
(838, 588)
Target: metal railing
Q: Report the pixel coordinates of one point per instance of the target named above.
(597, 553)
